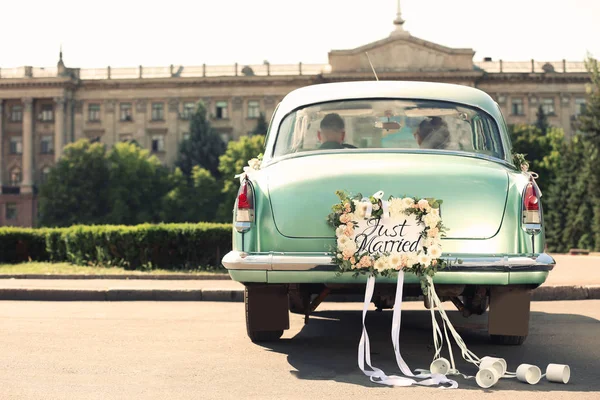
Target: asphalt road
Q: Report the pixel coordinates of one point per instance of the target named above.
(199, 350)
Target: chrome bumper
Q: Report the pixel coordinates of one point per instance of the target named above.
(236, 260)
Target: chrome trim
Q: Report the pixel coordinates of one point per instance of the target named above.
(236, 260)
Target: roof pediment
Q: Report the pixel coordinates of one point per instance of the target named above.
(402, 52)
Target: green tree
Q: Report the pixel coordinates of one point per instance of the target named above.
(203, 147)
(191, 200)
(542, 121)
(542, 151)
(569, 204)
(232, 163)
(262, 126)
(76, 191)
(589, 125)
(138, 182)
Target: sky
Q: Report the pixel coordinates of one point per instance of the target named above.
(127, 33)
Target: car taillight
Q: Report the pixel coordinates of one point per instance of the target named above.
(531, 205)
(244, 213)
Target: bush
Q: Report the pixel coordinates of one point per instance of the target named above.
(164, 246)
(18, 245)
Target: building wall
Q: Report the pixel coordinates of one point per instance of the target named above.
(71, 100)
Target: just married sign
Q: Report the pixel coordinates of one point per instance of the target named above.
(388, 235)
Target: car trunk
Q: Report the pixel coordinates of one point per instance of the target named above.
(473, 190)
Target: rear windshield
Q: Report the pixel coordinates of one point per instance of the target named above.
(388, 124)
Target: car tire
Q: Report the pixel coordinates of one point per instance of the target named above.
(266, 312)
(508, 340)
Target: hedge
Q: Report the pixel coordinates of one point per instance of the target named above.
(164, 246)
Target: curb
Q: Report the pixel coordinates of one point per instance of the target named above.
(544, 293)
(166, 277)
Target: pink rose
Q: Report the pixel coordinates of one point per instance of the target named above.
(365, 261)
(433, 232)
(344, 218)
(347, 254)
(423, 204)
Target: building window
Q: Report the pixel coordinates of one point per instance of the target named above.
(517, 107)
(11, 211)
(253, 109)
(15, 176)
(47, 113)
(47, 144)
(126, 114)
(158, 111)
(45, 174)
(158, 143)
(94, 113)
(548, 106)
(580, 105)
(16, 113)
(221, 110)
(188, 110)
(16, 145)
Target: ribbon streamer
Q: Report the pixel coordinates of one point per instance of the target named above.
(364, 348)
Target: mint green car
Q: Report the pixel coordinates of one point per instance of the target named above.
(425, 140)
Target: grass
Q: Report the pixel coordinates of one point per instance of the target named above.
(45, 268)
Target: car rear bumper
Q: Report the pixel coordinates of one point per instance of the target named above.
(317, 268)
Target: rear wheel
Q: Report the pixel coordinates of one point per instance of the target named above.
(266, 308)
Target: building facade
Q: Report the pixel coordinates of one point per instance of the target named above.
(43, 109)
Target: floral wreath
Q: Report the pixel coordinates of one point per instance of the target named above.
(423, 262)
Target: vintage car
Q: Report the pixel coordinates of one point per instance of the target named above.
(427, 140)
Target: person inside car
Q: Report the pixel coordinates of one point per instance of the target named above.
(432, 133)
(332, 133)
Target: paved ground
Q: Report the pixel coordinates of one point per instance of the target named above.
(183, 350)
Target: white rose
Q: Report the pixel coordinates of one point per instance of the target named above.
(431, 220)
(432, 242)
(435, 251)
(343, 241)
(396, 208)
(350, 246)
(395, 260)
(359, 209)
(340, 230)
(411, 259)
(435, 211)
(381, 264)
(424, 259)
(254, 163)
(408, 202)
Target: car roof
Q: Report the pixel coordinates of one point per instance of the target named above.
(325, 92)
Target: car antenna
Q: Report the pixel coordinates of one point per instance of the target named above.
(373, 68)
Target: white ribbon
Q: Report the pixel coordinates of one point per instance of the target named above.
(364, 348)
(243, 175)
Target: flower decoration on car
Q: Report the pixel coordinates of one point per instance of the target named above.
(380, 237)
(253, 166)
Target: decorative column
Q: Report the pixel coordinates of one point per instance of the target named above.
(1, 147)
(59, 127)
(27, 182)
